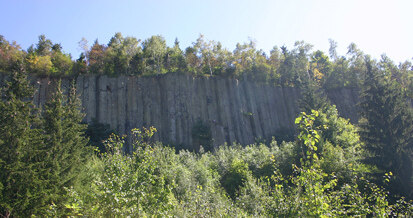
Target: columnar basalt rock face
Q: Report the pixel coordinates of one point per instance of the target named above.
(236, 111)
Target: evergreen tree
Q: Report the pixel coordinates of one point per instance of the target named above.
(64, 143)
(20, 187)
(387, 127)
(312, 98)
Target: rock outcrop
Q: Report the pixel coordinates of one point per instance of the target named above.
(235, 111)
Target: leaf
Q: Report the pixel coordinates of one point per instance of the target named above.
(298, 120)
(315, 156)
(314, 112)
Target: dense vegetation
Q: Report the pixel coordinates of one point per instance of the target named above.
(49, 167)
(131, 56)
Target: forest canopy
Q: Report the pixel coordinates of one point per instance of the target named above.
(130, 56)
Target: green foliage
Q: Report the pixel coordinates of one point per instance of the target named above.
(80, 66)
(39, 65)
(235, 177)
(387, 127)
(201, 136)
(11, 56)
(175, 59)
(48, 171)
(97, 134)
(119, 53)
(294, 67)
(44, 46)
(154, 50)
(42, 153)
(155, 180)
(320, 66)
(338, 144)
(62, 63)
(312, 98)
(315, 193)
(128, 184)
(64, 150)
(18, 163)
(48, 59)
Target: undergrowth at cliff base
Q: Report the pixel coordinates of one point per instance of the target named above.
(256, 180)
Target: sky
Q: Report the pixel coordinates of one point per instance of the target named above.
(375, 26)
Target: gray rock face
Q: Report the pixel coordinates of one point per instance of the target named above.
(236, 111)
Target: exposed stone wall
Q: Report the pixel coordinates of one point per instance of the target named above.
(235, 110)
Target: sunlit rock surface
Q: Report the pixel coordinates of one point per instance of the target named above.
(236, 111)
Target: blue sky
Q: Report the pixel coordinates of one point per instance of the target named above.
(376, 26)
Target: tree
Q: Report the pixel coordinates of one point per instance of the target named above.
(20, 187)
(80, 66)
(62, 63)
(97, 133)
(201, 135)
(175, 59)
(357, 66)
(275, 57)
(39, 65)
(11, 56)
(338, 75)
(312, 98)
(320, 66)
(114, 59)
(131, 184)
(223, 60)
(405, 76)
(204, 50)
(96, 58)
(119, 54)
(301, 54)
(386, 127)
(191, 58)
(286, 69)
(154, 50)
(83, 45)
(65, 143)
(244, 56)
(44, 46)
(333, 49)
(130, 48)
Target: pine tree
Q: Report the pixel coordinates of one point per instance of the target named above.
(387, 127)
(20, 187)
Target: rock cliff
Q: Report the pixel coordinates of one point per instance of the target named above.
(235, 111)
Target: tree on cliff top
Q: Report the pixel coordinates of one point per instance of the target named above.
(96, 58)
(154, 49)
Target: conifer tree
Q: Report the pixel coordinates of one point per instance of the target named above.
(64, 143)
(387, 128)
(312, 98)
(74, 135)
(20, 187)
